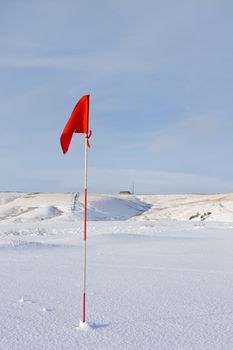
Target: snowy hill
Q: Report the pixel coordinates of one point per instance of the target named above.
(196, 207)
(36, 207)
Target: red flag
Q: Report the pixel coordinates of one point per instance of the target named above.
(78, 122)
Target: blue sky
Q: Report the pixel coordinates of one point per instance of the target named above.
(160, 75)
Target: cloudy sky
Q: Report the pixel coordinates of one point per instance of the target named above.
(160, 75)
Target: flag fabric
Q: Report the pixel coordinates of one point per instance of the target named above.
(78, 123)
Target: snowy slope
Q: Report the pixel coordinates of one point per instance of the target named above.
(36, 207)
(210, 207)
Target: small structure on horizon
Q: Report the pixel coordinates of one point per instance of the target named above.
(125, 192)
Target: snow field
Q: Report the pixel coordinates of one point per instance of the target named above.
(151, 284)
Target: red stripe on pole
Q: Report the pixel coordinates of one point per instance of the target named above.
(84, 308)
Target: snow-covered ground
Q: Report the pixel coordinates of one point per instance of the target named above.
(37, 207)
(156, 280)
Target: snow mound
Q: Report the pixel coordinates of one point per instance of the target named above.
(114, 208)
(7, 197)
(39, 214)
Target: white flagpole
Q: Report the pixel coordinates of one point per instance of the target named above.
(85, 234)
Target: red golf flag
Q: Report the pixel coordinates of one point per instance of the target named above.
(78, 122)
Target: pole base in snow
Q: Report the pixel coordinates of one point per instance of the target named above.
(83, 325)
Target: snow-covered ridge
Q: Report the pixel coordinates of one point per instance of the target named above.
(193, 207)
(37, 207)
